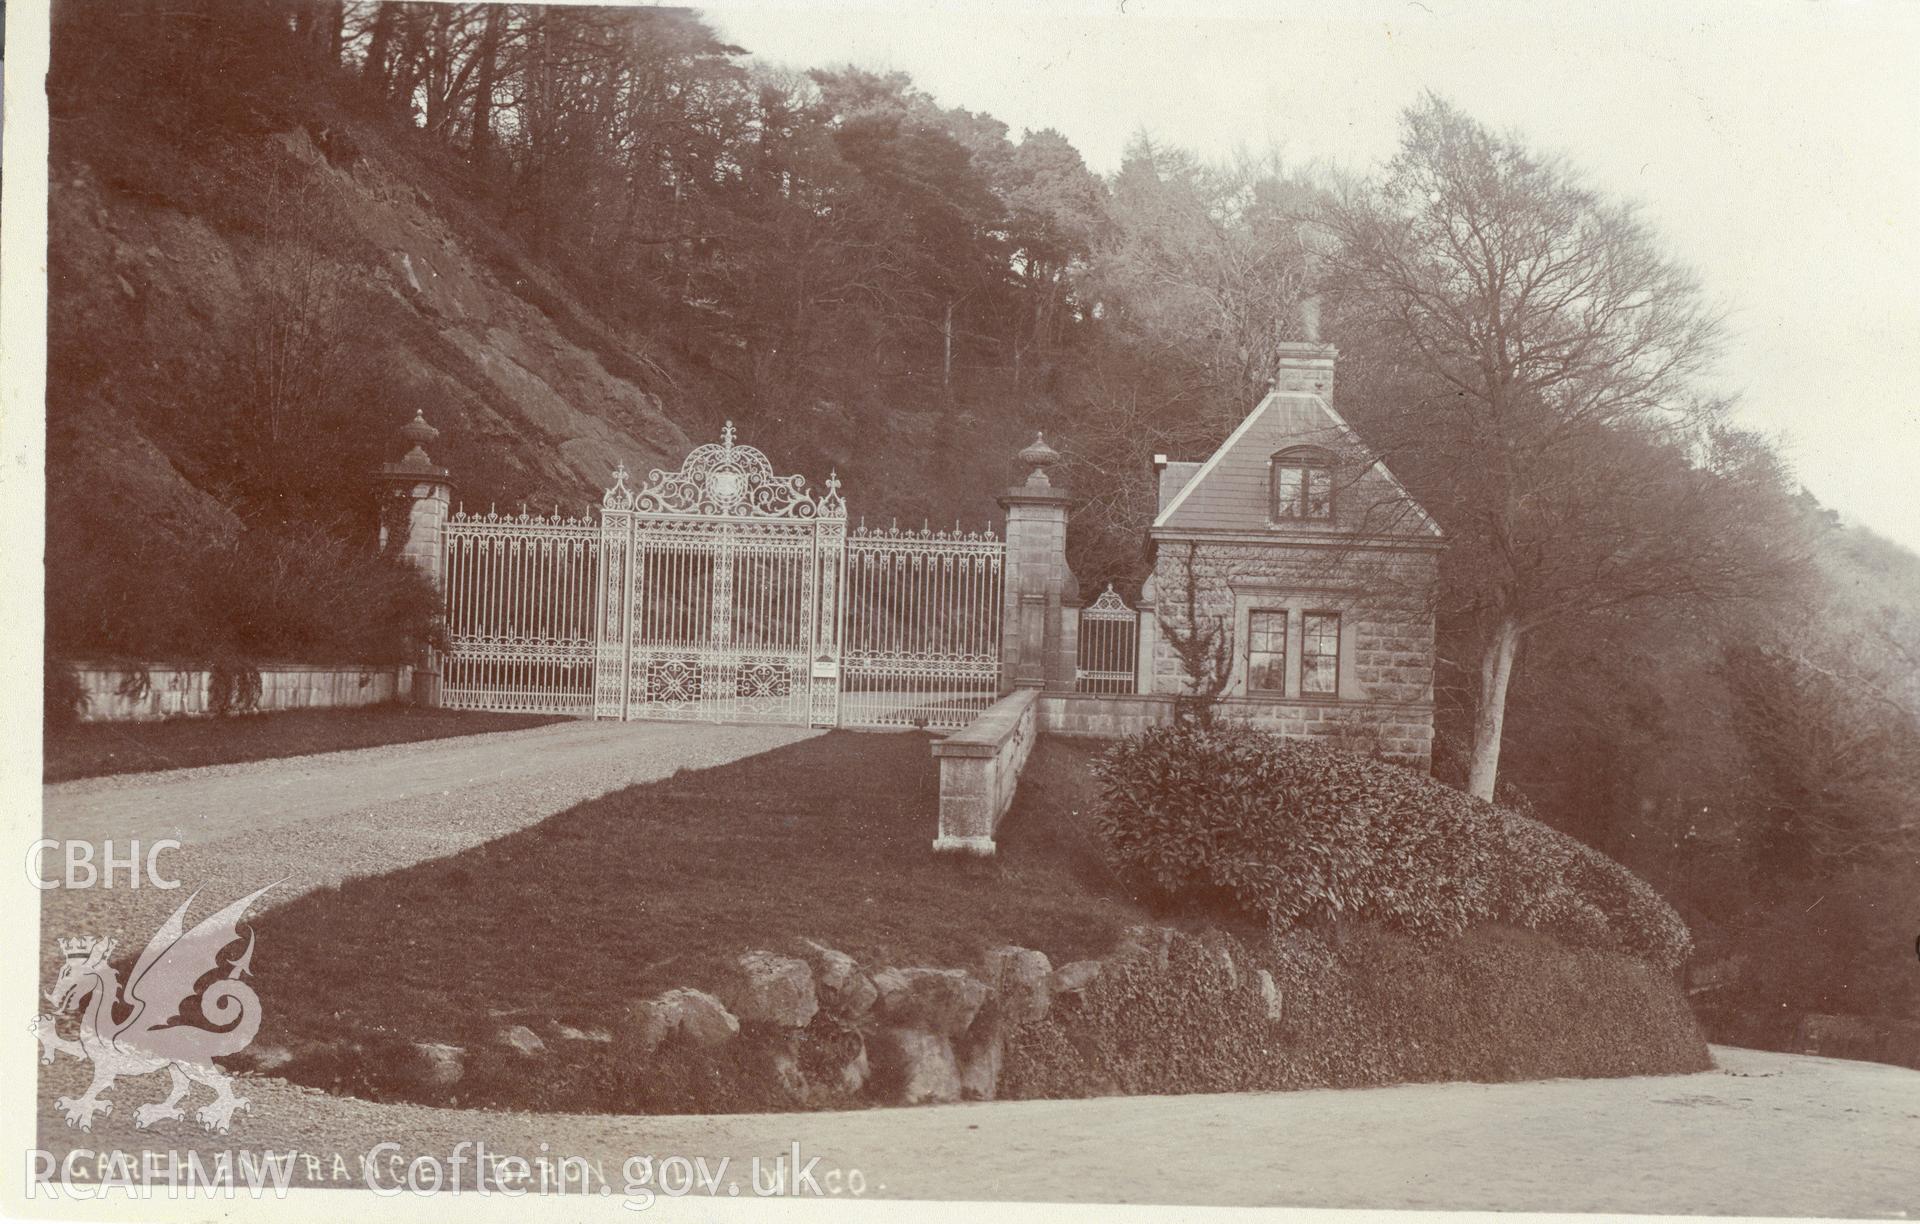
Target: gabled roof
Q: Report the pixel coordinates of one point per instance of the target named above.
(1230, 491)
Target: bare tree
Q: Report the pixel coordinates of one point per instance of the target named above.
(1539, 357)
(1202, 642)
(1208, 265)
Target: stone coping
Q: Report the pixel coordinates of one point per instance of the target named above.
(986, 735)
(1315, 703)
(262, 667)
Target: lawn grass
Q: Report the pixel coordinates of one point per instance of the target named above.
(574, 920)
(94, 749)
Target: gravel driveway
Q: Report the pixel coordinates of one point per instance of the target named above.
(318, 819)
(1766, 1134)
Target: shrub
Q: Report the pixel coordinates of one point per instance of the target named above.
(1374, 1008)
(63, 697)
(1291, 831)
(297, 594)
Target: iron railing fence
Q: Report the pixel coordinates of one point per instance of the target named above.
(920, 640)
(520, 597)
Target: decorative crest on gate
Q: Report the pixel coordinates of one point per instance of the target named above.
(726, 479)
(1109, 605)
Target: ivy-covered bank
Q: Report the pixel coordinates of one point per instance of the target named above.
(1212, 1013)
(1166, 1012)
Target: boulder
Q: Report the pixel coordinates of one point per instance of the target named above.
(767, 988)
(793, 1081)
(890, 986)
(523, 1040)
(979, 1066)
(855, 1003)
(855, 1074)
(1020, 978)
(1152, 942)
(1222, 953)
(843, 990)
(921, 1064)
(1269, 994)
(940, 1001)
(438, 1063)
(1074, 977)
(830, 1081)
(695, 1015)
(568, 1033)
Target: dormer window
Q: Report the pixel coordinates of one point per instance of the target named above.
(1302, 481)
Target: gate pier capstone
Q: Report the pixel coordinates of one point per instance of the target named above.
(1038, 644)
(415, 497)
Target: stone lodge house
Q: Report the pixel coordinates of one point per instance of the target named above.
(1317, 563)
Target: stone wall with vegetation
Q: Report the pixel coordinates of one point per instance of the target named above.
(113, 692)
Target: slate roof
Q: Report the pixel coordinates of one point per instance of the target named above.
(1230, 492)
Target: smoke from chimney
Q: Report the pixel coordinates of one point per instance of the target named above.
(1310, 319)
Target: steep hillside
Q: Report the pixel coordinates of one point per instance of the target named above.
(159, 287)
(260, 268)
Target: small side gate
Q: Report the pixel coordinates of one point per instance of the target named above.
(722, 592)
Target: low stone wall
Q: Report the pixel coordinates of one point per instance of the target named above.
(979, 769)
(114, 693)
(1400, 735)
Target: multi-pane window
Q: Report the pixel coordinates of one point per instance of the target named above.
(1320, 653)
(1302, 486)
(1267, 652)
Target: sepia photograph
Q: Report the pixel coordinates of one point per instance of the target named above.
(880, 611)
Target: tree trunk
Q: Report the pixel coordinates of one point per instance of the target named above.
(946, 361)
(333, 23)
(1496, 668)
(375, 69)
(483, 88)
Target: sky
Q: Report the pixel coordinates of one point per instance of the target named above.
(1775, 148)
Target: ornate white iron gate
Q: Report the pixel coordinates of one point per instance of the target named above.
(726, 593)
(720, 577)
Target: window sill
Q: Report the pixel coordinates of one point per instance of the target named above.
(1314, 699)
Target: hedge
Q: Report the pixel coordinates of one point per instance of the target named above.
(1290, 831)
(1370, 1008)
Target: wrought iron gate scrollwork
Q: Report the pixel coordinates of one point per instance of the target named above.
(721, 613)
(723, 591)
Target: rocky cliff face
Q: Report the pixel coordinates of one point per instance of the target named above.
(153, 291)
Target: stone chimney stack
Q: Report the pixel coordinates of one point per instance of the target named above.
(1305, 368)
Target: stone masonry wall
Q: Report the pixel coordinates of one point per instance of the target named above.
(980, 769)
(182, 692)
(1385, 698)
